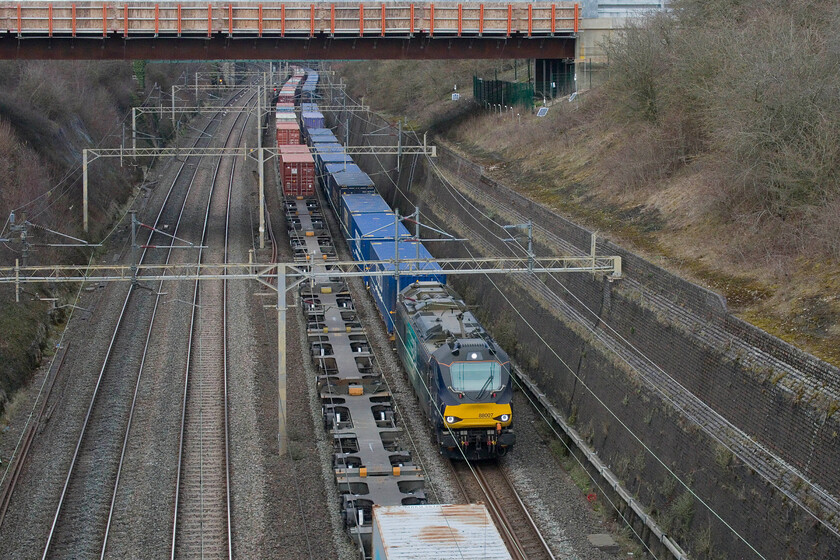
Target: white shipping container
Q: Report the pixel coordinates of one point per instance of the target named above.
(440, 531)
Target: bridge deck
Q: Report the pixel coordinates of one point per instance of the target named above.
(62, 19)
(65, 29)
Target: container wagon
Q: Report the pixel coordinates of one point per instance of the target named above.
(357, 204)
(312, 119)
(325, 159)
(345, 182)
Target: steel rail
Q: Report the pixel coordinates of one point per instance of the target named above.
(185, 398)
(503, 517)
(105, 364)
(148, 339)
(19, 460)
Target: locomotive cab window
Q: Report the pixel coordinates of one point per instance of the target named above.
(476, 376)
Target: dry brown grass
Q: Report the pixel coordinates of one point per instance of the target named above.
(713, 150)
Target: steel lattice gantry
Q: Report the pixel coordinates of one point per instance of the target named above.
(66, 29)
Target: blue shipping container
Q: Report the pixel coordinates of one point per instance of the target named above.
(326, 146)
(359, 204)
(364, 229)
(312, 119)
(347, 182)
(384, 288)
(343, 166)
(323, 156)
(324, 159)
(314, 130)
(320, 135)
(364, 204)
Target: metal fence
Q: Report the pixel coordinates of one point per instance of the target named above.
(499, 92)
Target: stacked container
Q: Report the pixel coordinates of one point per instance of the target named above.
(324, 159)
(362, 229)
(385, 288)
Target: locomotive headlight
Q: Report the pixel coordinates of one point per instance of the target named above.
(502, 418)
(452, 419)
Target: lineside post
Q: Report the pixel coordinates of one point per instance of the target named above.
(85, 189)
(261, 164)
(261, 170)
(134, 129)
(281, 359)
(173, 106)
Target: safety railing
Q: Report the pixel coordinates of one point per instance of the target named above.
(281, 19)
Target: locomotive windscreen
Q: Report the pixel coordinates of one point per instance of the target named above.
(476, 376)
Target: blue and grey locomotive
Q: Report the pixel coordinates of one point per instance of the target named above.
(459, 372)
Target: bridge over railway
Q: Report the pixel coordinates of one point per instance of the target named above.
(254, 29)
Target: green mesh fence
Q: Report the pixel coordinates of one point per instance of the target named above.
(498, 92)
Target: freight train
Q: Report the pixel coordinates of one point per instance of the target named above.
(459, 373)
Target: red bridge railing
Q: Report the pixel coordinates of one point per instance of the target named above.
(288, 19)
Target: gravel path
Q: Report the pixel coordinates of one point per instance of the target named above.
(304, 520)
(557, 505)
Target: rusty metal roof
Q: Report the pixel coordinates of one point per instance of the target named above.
(462, 531)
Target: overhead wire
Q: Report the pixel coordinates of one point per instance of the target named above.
(657, 387)
(428, 391)
(453, 190)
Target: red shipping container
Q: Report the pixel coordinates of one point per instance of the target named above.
(288, 133)
(297, 171)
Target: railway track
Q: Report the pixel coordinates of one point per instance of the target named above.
(82, 520)
(202, 520)
(770, 466)
(488, 482)
(29, 435)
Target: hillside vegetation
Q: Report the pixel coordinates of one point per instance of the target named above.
(713, 149)
(50, 112)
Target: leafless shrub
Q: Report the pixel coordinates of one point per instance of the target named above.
(756, 84)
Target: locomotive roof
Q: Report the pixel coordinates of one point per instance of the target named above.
(437, 314)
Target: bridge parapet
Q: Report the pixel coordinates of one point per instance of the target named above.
(129, 19)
